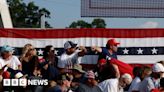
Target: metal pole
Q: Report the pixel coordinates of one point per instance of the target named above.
(43, 20)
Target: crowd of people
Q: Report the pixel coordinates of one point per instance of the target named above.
(66, 74)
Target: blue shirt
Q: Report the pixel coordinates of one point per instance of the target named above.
(105, 53)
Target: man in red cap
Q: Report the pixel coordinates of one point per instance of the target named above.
(109, 53)
(110, 50)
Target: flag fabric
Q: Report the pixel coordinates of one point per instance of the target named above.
(137, 46)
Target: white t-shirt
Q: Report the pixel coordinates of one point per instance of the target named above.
(109, 85)
(148, 84)
(135, 84)
(1, 63)
(67, 61)
(13, 62)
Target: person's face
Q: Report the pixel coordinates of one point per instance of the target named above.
(31, 47)
(6, 55)
(114, 48)
(91, 80)
(32, 51)
(76, 74)
(124, 82)
(51, 52)
(71, 50)
(146, 74)
(67, 83)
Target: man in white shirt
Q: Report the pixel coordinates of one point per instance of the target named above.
(8, 59)
(109, 81)
(70, 56)
(152, 82)
(109, 85)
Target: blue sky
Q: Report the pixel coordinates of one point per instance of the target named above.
(64, 12)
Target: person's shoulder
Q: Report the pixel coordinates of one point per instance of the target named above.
(97, 89)
(14, 57)
(113, 80)
(57, 89)
(137, 79)
(146, 80)
(63, 56)
(110, 81)
(104, 49)
(1, 60)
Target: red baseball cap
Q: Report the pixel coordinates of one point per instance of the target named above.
(112, 42)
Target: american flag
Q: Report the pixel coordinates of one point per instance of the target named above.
(137, 46)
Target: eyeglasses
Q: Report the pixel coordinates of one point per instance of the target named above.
(32, 49)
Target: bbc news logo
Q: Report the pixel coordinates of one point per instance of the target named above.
(24, 82)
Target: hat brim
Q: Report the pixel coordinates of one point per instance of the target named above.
(74, 45)
(116, 43)
(7, 50)
(79, 70)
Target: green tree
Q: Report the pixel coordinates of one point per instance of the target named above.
(96, 23)
(80, 24)
(73, 25)
(27, 15)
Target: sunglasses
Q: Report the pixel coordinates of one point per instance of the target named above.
(32, 49)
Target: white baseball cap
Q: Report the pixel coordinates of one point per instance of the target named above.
(158, 67)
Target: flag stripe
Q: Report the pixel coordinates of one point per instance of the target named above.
(75, 33)
(58, 43)
(132, 51)
(143, 45)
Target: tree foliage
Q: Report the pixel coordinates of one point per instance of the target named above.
(27, 15)
(96, 23)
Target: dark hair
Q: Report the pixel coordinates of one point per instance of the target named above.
(162, 62)
(46, 50)
(108, 72)
(146, 68)
(137, 71)
(108, 46)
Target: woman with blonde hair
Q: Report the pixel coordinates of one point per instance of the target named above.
(29, 60)
(25, 50)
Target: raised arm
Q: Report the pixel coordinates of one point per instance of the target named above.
(96, 49)
(83, 51)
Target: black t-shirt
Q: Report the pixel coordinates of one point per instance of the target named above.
(28, 67)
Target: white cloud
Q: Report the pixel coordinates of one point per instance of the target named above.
(150, 24)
